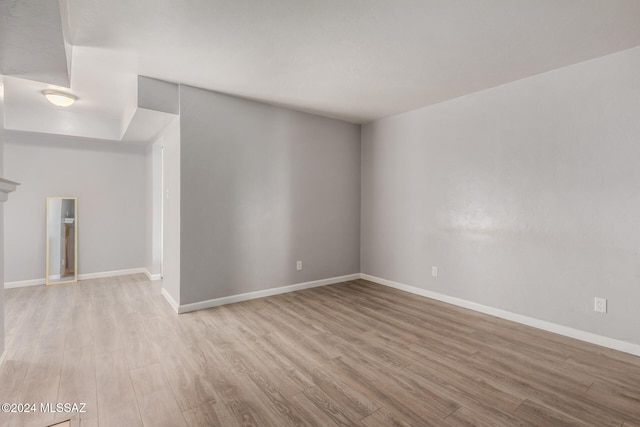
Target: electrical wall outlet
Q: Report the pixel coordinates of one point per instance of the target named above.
(600, 305)
(298, 265)
(434, 271)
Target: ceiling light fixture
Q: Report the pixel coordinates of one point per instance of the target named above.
(59, 99)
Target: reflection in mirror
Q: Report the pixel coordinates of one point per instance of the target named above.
(62, 240)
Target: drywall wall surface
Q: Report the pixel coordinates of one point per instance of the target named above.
(148, 205)
(158, 95)
(2, 343)
(107, 178)
(263, 187)
(156, 198)
(170, 143)
(525, 196)
(153, 205)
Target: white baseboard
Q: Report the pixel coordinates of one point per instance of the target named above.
(264, 293)
(152, 277)
(600, 340)
(113, 273)
(24, 283)
(2, 356)
(170, 300)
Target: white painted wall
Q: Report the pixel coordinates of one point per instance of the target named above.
(2, 252)
(263, 187)
(526, 196)
(153, 205)
(109, 181)
(2, 344)
(148, 205)
(156, 227)
(170, 140)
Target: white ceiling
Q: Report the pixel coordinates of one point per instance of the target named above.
(356, 60)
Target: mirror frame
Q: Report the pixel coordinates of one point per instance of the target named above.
(75, 242)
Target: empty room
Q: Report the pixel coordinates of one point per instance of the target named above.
(322, 213)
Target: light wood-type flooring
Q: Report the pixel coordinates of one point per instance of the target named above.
(355, 353)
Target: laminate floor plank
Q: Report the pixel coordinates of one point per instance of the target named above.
(356, 404)
(44, 365)
(265, 368)
(463, 386)
(297, 314)
(443, 337)
(354, 353)
(298, 377)
(207, 414)
(623, 400)
(570, 400)
(283, 410)
(78, 384)
(138, 349)
(318, 414)
(107, 336)
(190, 387)
(536, 414)
(548, 365)
(117, 404)
(36, 392)
(406, 313)
(13, 372)
(390, 357)
(440, 314)
(245, 407)
(155, 400)
(303, 343)
(540, 376)
(332, 409)
(413, 396)
(482, 416)
(622, 373)
(80, 331)
(341, 315)
(385, 418)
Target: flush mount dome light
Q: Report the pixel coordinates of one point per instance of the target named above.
(59, 99)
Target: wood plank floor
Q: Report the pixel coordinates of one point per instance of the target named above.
(355, 353)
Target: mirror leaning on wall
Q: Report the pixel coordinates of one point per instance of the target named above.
(62, 240)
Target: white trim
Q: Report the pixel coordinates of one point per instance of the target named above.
(170, 300)
(24, 283)
(2, 357)
(152, 277)
(589, 337)
(113, 273)
(264, 293)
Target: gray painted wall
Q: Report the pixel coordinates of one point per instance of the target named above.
(263, 187)
(109, 181)
(526, 196)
